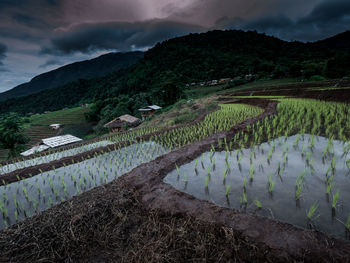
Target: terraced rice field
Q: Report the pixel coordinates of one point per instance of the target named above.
(295, 165)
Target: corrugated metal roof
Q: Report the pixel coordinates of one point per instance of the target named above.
(60, 140)
(35, 149)
(154, 107)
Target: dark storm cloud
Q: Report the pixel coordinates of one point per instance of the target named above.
(59, 30)
(51, 62)
(123, 36)
(29, 21)
(3, 49)
(326, 19)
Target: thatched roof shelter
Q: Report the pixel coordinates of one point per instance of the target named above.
(118, 122)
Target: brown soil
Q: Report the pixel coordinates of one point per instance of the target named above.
(139, 218)
(110, 224)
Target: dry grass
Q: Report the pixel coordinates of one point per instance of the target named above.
(168, 118)
(108, 224)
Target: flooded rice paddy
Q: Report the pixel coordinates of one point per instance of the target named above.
(303, 180)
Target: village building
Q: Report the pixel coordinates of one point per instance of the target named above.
(52, 142)
(250, 77)
(55, 126)
(148, 111)
(225, 80)
(214, 82)
(116, 124)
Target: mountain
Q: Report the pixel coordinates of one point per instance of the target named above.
(87, 69)
(337, 42)
(192, 58)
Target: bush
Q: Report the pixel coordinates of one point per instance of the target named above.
(187, 116)
(209, 107)
(317, 78)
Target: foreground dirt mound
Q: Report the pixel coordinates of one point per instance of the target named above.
(108, 224)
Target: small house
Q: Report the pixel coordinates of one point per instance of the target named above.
(55, 126)
(225, 80)
(148, 111)
(214, 82)
(116, 124)
(250, 77)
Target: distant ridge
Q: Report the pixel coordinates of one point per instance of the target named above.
(87, 69)
(199, 57)
(338, 42)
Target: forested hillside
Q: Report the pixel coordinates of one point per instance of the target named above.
(87, 69)
(162, 74)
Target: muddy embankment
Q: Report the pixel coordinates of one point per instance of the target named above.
(282, 240)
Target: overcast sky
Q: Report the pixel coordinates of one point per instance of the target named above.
(39, 35)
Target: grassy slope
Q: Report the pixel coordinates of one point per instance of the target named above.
(202, 96)
(64, 117)
(38, 126)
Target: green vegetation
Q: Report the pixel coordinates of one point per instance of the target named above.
(221, 120)
(27, 197)
(161, 76)
(12, 135)
(258, 204)
(311, 214)
(300, 116)
(87, 69)
(69, 116)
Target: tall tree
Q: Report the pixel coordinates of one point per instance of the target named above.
(12, 135)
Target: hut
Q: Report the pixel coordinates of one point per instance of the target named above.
(149, 110)
(55, 126)
(117, 123)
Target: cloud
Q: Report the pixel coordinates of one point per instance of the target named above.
(122, 36)
(326, 19)
(3, 50)
(51, 62)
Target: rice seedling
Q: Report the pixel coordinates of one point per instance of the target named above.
(185, 177)
(333, 163)
(271, 184)
(329, 186)
(335, 200)
(298, 191)
(227, 190)
(225, 175)
(207, 181)
(244, 199)
(177, 170)
(258, 204)
(347, 224)
(311, 214)
(251, 172)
